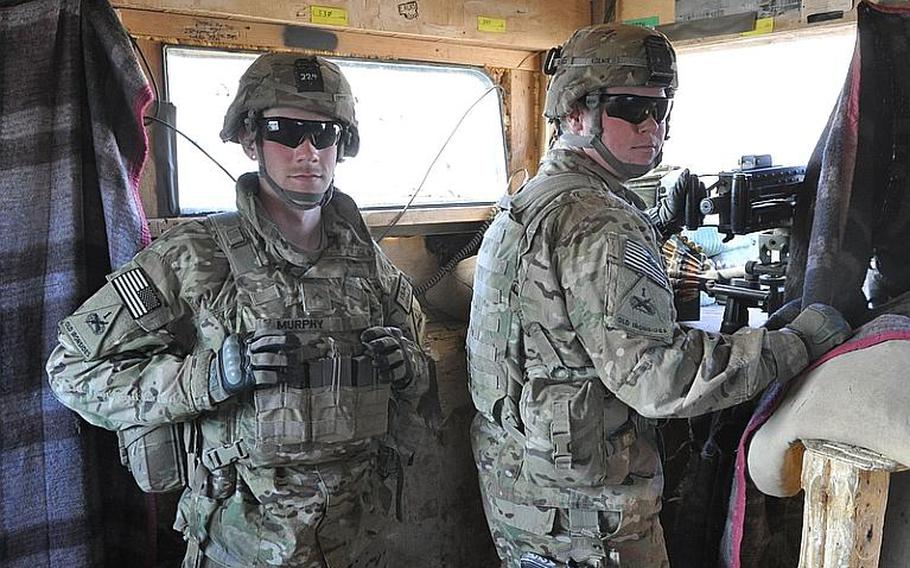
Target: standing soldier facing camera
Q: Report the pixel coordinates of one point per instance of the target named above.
(573, 343)
(279, 338)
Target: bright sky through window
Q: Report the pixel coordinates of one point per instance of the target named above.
(406, 112)
(756, 97)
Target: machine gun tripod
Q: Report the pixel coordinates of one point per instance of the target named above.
(759, 284)
(756, 197)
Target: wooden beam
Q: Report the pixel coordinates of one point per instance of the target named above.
(523, 24)
(546, 131)
(846, 491)
(427, 220)
(525, 122)
(234, 34)
(155, 76)
(419, 220)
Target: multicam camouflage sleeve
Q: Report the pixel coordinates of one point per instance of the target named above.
(402, 310)
(620, 305)
(129, 355)
(400, 307)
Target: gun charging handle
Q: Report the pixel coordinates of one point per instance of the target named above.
(695, 193)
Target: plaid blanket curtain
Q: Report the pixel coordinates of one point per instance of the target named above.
(855, 207)
(856, 204)
(72, 145)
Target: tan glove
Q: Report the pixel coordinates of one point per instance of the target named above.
(821, 327)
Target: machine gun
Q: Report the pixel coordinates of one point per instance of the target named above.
(757, 196)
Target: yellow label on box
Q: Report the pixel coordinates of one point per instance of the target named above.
(328, 15)
(762, 26)
(486, 24)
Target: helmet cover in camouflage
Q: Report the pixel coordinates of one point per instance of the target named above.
(603, 56)
(310, 83)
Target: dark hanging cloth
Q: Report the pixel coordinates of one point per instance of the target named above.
(72, 146)
(855, 208)
(856, 203)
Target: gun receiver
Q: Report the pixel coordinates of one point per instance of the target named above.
(756, 197)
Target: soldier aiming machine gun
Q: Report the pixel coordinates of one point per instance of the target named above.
(757, 196)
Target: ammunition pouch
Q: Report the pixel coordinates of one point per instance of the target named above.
(325, 395)
(494, 342)
(155, 455)
(328, 400)
(493, 332)
(569, 438)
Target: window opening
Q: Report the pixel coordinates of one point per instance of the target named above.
(758, 97)
(405, 112)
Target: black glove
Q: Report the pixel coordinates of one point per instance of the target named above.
(669, 215)
(241, 364)
(391, 354)
(821, 328)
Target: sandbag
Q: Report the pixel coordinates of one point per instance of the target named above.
(859, 398)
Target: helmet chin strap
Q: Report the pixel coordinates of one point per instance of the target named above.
(293, 199)
(624, 170)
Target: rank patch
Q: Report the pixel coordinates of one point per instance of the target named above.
(640, 259)
(138, 294)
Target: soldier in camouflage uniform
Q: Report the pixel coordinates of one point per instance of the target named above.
(280, 338)
(573, 344)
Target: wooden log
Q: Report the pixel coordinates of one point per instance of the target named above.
(846, 490)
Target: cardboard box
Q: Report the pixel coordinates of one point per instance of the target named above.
(647, 12)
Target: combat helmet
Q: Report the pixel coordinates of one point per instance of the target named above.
(310, 83)
(599, 57)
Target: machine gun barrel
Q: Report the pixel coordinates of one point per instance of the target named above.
(739, 292)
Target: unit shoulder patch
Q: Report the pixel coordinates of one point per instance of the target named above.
(91, 324)
(646, 309)
(643, 301)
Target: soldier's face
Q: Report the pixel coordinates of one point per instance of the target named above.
(637, 144)
(304, 169)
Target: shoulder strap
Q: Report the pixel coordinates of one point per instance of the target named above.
(360, 244)
(234, 242)
(541, 191)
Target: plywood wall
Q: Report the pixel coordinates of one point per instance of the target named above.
(524, 24)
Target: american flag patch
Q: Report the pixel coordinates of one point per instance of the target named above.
(640, 259)
(137, 293)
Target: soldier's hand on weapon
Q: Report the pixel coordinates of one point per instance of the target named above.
(669, 216)
(821, 329)
(391, 354)
(783, 315)
(241, 365)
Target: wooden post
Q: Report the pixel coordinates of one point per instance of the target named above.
(846, 490)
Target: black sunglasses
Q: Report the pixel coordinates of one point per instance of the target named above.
(637, 109)
(291, 132)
